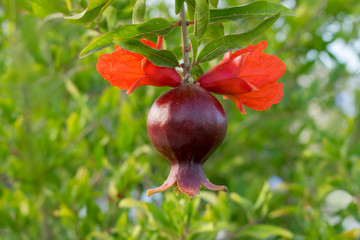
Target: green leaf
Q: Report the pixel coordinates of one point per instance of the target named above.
(194, 48)
(152, 27)
(258, 9)
(162, 58)
(228, 43)
(201, 18)
(214, 3)
(178, 52)
(111, 17)
(132, 203)
(196, 72)
(245, 204)
(262, 195)
(41, 8)
(191, 9)
(139, 11)
(283, 211)
(214, 31)
(94, 9)
(178, 5)
(199, 227)
(263, 231)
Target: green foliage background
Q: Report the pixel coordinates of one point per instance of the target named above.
(75, 158)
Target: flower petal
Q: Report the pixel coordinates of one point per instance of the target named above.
(149, 43)
(138, 83)
(160, 42)
(228, 86)
(121, 68)
(128, 70)
(224, 70)
(258, 48)
(226, 57)
(261, 69)
(222, 78)
(238, 103)
(264, 98)
(160, 76)
(248, 77)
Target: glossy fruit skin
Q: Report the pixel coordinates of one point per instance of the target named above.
(186, 125)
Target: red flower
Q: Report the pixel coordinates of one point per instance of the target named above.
(248, 77)
(128, 70)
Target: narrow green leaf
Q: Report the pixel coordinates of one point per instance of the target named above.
(194, 48)
(283, 211)
(132, 203)
(191, 9)
(214, 31)
(262, 195)
(201, 18)
(258, 9)
(178, 5)
(245, 204)
(228, 43)
(139, 11)
(94, 9)
(152, 27)
(263, 231)
(178, 52)
(214, 3)
(110, 15)
(200, 227)
(162, 58)
(196, 72)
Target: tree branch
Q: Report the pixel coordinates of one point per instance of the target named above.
(185, 45)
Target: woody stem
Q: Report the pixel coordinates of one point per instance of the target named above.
(185, 44)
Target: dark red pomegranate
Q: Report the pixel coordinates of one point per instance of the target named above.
(186, 125)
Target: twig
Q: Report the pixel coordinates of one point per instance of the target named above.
(185, 44)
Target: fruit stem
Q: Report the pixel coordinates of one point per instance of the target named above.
(185, 44)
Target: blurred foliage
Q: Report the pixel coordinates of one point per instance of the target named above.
(76, 159)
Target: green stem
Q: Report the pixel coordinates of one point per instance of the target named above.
(185, 45)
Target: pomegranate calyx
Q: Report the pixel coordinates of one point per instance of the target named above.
(188, 178)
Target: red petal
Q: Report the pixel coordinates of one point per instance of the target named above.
(264, 98)
(230, 86)
(258, 48)
(160, 76)
(148, 43)
(255, 82)
(227, 57)
(144, 41)
(159, 42)
(156, 76)
(138, 83)
(121, 68)
(224, 70)
(261, 69)
(238, 103)
(222, 78)
(128, 70)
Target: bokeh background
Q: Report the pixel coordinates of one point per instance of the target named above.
(75, 158)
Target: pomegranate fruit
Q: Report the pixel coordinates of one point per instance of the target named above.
(186, 125)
